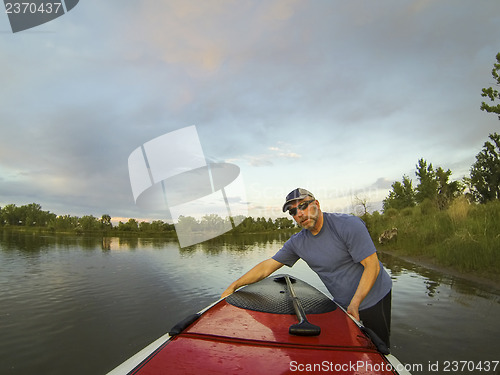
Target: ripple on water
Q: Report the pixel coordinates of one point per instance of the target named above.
(63, 302)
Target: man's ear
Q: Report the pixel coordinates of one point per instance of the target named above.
(317, 203)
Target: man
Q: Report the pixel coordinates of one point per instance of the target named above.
(339, 249)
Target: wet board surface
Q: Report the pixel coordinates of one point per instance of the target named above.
(247, 333)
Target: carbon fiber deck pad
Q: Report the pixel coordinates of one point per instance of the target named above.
(273, 297)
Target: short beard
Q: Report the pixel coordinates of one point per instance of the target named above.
(311, 224)
(313, 219)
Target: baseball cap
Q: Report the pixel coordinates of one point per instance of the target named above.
(296, 194)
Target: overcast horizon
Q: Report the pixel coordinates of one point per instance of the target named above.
(341, 98)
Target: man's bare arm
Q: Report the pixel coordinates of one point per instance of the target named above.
(257, 273)
(368, 278)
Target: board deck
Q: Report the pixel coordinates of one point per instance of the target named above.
(247, 333)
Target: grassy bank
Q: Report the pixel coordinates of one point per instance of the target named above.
(465, 237)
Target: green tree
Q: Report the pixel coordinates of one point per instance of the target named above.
(130, 226)
(447, 191)
(434, 188)
(159, 226)
(284, 223)
(245, 225)
(484, 181)
(260, 224)
(11, 214)
(401, 196)
(144, 226)
(88, 223)
(427, 187)
(188, 224)
(490, 92)
(106, 221)
(212, 222)
(64, 222)
(31, 214)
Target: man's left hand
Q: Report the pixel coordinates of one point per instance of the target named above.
(354, 311)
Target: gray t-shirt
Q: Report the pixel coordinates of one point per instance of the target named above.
(335, 254)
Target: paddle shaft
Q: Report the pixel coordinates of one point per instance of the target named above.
(303, 328)
(297, 306)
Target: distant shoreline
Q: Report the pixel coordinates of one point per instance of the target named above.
(485, 278)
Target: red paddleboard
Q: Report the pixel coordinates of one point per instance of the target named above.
(249, 333)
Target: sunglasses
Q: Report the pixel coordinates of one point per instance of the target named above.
(302, 207)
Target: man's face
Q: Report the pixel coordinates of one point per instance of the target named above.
(307, 212)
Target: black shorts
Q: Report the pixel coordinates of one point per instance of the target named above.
(378, 318)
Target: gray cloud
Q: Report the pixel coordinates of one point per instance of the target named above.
(348, 85)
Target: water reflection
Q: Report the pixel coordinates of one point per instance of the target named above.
(433, 279)
(240, 242)
(266, 243)
(438, 317)
(270, 242)
(108, 297)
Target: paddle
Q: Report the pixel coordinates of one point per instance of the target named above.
(303, 327)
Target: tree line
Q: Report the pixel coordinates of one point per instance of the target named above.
(32, 215)
(434, 185)
(435, 188)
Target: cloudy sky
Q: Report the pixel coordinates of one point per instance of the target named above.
(339, 97)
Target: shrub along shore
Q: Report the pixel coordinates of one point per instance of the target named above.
(464, 237)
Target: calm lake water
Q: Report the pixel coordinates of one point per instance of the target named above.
(76, 305)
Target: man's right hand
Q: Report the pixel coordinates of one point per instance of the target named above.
(259, 272)
(227, 292)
